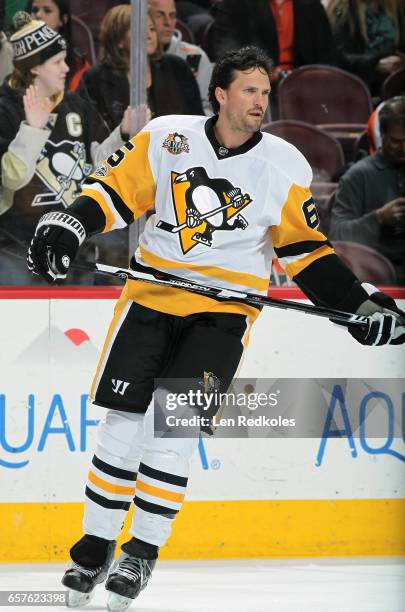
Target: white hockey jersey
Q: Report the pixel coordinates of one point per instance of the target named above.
(221, 215)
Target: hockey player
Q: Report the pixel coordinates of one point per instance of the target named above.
(171, 334)
(50, 140)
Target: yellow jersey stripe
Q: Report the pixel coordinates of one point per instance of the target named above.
(182, 303)
(237, 278)
(293, 227)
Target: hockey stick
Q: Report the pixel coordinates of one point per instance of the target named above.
(168, 227)
(156, 277)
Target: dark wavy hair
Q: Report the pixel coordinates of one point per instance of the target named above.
(65, 29)
(246, 58)
(115, 24)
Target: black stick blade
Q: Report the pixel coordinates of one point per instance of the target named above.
(167, 227)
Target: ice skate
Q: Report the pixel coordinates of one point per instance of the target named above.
(128, 577)
(81, 581)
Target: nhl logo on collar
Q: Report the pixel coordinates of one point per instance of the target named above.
(176, 143)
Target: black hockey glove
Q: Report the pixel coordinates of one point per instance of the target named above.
(54, 246)
(379, 329)
(384, 321)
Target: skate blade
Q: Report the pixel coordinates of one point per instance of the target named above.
(118, 603)
(76, 599)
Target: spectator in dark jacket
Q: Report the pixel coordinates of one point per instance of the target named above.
(171, 86)
(293, 32)
(370, 200)
(370, 38)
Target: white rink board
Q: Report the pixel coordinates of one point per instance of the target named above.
(45, 376)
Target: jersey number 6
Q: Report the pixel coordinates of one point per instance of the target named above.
(116, 158)
(310, 213)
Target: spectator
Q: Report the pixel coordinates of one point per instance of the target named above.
(171, 41)
(56, 14)
(6, 57)
(171, 86)
(49, 141)
(197, 15)
(370, 200)
(370, 38)
(107, 83)
(293, 32)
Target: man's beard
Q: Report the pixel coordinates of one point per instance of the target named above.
(242, 125)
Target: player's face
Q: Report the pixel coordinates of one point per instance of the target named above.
(393, 144)
(245, 102)
(47, 11)
(165, 19)
(51, 75)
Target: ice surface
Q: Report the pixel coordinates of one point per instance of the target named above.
(327, 585)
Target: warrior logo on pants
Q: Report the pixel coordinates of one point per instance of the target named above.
(203, 206)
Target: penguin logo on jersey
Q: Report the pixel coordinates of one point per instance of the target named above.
(62, 168)
(176, 143)
(203, 206)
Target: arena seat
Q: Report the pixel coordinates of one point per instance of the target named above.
(83, 39)
(394, 85)
(186, 33)
(368, 264)
(322, 150)
(328, 97)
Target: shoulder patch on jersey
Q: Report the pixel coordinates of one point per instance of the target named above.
(101, 170)
(176, 143)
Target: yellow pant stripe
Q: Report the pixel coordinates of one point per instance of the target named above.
(110, 488)
(122, 302)
(157, 492)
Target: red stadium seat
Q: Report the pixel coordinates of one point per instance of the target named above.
(368, 265)
(186, 33)
(394, 85)
(323, 151)
(324, 95)
(83, 39)
(328, 97)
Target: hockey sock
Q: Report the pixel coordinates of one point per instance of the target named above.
(138, 548)
(90, 551)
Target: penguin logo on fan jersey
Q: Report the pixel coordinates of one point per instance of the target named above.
(204, 206)
(62, 168)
